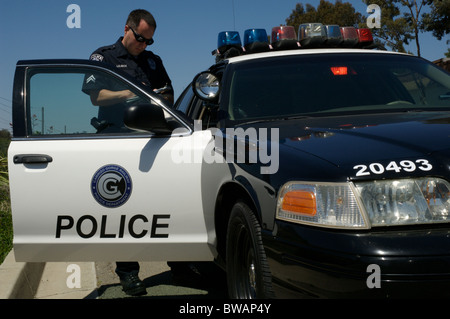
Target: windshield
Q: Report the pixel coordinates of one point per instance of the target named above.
(317, 85)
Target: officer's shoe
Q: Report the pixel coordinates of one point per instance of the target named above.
(132, 285)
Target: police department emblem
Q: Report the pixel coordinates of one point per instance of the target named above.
(96, 57)
(111, 186)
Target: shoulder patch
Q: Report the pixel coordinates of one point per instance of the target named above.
(96, 57)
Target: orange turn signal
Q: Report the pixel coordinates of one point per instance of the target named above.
(301, 202)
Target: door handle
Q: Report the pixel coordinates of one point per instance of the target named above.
(32, 159)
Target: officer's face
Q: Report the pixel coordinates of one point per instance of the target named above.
(129, 41)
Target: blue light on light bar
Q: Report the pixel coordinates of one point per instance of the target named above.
(334, 36)
(228, 38)
(256, 40)
(255, 35)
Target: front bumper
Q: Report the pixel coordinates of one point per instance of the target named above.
(324, 263)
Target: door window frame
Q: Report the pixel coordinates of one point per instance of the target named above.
(22, 128)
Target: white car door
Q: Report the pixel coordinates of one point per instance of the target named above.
(81, 193)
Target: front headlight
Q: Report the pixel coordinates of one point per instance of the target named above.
(367, 204)
(321, 204)
(408, 201)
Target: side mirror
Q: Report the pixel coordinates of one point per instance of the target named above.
(147, 117)
(206, 86)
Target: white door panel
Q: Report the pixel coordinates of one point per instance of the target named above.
(104, 191)
(56, 216)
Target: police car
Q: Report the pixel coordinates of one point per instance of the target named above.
(310, 166)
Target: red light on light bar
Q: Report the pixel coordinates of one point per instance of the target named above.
(365, 35)
(284, 38)
(339, 70)
(350, 36)
(283, 33)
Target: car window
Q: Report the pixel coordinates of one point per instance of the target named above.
(183, 102)
(191, 105)
(313, 85)
(60, 102)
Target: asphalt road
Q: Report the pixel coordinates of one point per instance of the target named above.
(198, 281)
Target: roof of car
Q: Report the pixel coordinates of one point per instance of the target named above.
(253, 56)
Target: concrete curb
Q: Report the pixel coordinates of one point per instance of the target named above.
(19, 280)
(40, 280)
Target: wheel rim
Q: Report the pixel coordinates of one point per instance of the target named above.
(246, 266)
(251, 270)
(248, 273)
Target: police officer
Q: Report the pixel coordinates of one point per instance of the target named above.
(129, 54)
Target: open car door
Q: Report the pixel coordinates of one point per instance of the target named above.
(83, 189)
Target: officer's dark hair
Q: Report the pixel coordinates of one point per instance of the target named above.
(137, 15)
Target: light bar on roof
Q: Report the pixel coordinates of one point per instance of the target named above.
(310, 35)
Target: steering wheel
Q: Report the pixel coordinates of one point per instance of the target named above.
(399, 102)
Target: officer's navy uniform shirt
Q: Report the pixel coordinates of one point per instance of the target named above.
(146, 68)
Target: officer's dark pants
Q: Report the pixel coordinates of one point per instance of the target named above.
(124, 268)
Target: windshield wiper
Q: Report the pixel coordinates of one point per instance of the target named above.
(273, 119)
(296, 117)
(258, 121)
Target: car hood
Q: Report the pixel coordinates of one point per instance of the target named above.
(348, 141)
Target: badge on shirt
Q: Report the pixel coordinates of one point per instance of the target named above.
(96, 57)
(151, 64)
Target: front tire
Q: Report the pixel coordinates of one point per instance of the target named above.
(248, 273)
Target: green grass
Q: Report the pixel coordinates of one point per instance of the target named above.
(6, 229)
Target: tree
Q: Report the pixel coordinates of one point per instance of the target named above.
(413, 16)
(438, 20)
(403, 20)
(395, 30)
(339, 13)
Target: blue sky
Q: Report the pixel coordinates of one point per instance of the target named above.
(186, 34)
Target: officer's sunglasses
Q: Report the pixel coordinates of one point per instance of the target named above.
(140, 38)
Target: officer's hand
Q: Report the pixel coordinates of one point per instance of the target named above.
(127, 94)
